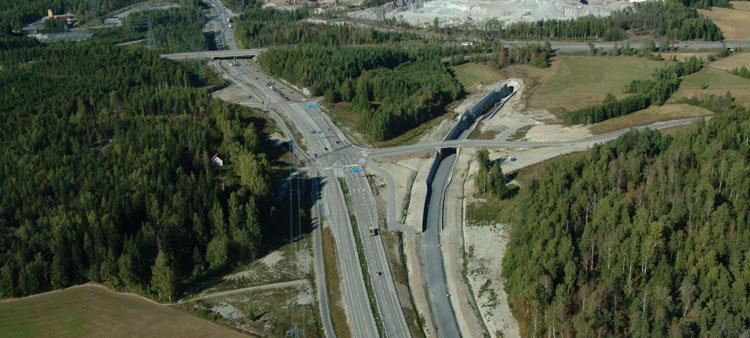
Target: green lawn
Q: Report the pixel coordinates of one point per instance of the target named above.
(715, 82)
(711, 78)
(96, 311)
(472, 74)
(580, 81)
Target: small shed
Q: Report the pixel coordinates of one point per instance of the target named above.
(216, 161)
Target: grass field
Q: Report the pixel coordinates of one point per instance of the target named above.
(257, 297)
(580, 81)
(714, 82)
(648, 116)
(686, 56)
(470, 75)
(92, 310)
(735, 61)
(734, 23)
(741, 5)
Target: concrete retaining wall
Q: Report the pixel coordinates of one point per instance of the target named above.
(465, 122)
(472, 114)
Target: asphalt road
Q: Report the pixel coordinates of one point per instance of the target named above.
(374, 153)
(333, 152)
(323, 138)
(442, 310)
(558, 46)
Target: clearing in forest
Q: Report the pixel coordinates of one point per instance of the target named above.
(470, 75)
(93, 310)
(581, 81)
(653, 114)
(714, 82)
(734, 23)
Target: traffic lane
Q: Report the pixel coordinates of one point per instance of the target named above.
(442, 310)
(363, 320)
(320, 278)
(394, 313)
(387, 304)
(512, 144)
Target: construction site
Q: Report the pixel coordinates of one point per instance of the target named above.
(459, 12)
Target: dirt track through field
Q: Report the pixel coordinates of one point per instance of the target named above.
(299, 282)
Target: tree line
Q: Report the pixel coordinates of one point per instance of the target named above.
(178, 29)
(647, 235)
(489, 178)
(107, 177)
(392, 89)
(645, 93)
(260, 27)
(741, 71)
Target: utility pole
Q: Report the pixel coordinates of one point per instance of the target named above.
(150, 40)
(294, 331)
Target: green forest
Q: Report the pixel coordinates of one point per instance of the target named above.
(393, 89)
(647, 235)
(272, 27)
(106, 173)
(179, 29)
(16, 13)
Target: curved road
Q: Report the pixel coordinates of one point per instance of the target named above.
(442, 310)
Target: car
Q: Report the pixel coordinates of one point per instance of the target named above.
(379, 273)
(316, 155)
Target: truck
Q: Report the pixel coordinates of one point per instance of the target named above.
(372, 231)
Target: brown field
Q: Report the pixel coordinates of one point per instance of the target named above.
(648, 116)
(734, 23)
(741, 5)
(574, 82)
(685, 56)
(93, 310)
(470, 75)
(714, 82)
(735, 61)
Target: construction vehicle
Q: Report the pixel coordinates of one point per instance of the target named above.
(372, 231)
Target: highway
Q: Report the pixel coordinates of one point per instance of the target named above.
(559, 46)
(331, 155)
(442, 310)
(333, 152)
(354, 274)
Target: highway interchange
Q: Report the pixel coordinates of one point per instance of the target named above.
(333, 155)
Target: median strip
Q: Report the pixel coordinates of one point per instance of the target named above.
(362, 259)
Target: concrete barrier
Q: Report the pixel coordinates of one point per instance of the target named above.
(466, 122)
(430, 178)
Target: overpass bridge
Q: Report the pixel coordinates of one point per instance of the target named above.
(215, 54)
